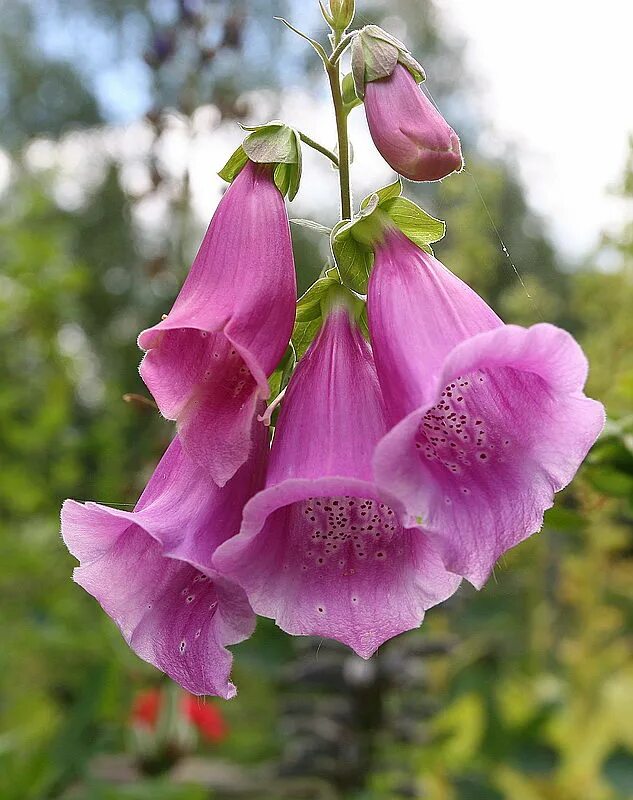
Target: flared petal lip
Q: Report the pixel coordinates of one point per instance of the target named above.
(207, 569)
(150, 339)
(564, 352)
(294, 490)
(135, 518)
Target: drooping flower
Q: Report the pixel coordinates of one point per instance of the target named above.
(490, 419)
(208, 361)
(408, 131)
(151, 569)
(320, 550)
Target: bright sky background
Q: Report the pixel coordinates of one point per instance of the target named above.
(553, 79)
(557, 77)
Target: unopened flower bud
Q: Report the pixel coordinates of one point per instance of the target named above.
(342, 13)
(410, 133)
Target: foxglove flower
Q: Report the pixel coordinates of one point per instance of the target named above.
(490, 419)
(151, 569)
(208, 361)
(408, 131)
(320, 549)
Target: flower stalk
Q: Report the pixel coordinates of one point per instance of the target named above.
(334, 77)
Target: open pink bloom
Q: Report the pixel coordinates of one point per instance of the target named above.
(490, 419)
(320, 549)
(410, 133)
(208, 360)
(151, 571)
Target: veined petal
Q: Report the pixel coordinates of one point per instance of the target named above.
(207, 362)
(320, 549)
(508, 427)
(151, 569)
(333, 414)
(418, 311)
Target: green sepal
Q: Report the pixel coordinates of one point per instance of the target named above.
(414, 222)
(386, 193)
(353, 241)
(350, 98)
(309, 311)
(312, 225)
(375, 54)
(309, 304)
(353, 258)
(234, 165)
(272, 143)
(325, 293)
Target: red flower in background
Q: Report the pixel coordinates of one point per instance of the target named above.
(146, 707)
(205, 717)
(200, 714)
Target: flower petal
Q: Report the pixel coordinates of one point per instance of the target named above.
(328, 557)
(151, 569)
(207, 362)
(320, 549)
(407, 129)
(418, 311)
(509, 427)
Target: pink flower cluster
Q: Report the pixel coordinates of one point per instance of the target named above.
(399, 465)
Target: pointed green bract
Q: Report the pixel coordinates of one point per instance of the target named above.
(234, 165)
(353, 242)
(272, 143)
(314, 305)
(312, 225)
(375, 54)
(414, 222)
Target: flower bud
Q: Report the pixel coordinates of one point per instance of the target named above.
(409, 132)
(342, 13)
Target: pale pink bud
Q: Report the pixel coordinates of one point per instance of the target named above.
(410, 133)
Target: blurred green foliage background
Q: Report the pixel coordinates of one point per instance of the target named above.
(523, 691)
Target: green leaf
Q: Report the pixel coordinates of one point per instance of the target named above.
(414, 67)
(376, 32)
(353, 241)
(354, 260)
(312, 225)
(416, 224)
(303, 335)
(610, 481)
(358, 66)
(274, 143)
(350, 98)
(310, 310)
(298, 166)
(234, 165)
(386, 193)
(380, 58)
(309, 304)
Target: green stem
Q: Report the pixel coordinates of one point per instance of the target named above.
(340, 49)
(334, 78)
(319, 147)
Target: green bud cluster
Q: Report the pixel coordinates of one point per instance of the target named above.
(340, 14)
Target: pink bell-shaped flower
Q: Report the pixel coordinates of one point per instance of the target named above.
(408, 131)
(321, 550)
(208, 361)
(490, 420)
(151, 568)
